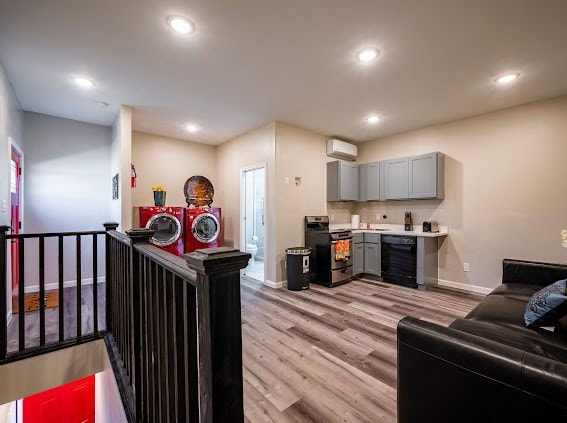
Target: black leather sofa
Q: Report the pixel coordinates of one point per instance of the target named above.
(487, 367)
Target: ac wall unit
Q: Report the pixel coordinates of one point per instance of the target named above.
(341, 150)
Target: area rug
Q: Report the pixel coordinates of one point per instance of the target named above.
(31, 301)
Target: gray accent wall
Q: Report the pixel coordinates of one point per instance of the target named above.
(67, 188)
(11, 117)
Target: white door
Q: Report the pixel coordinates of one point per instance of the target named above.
(252, 232)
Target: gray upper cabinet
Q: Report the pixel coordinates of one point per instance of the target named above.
(395, 179)
(426, 176)
(342, 181)
(414, 177)
(369, 182)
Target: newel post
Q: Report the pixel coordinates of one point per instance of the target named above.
(219, 341)
(3, 287)
(136, 236)
(109, 226)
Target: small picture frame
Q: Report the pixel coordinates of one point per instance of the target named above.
(115, 187)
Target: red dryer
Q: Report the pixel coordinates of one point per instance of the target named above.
(168, 224)
(202, 228)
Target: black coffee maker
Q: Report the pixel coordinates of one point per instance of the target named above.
(408, 224)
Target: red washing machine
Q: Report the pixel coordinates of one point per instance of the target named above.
(168, 224)
(202, 228)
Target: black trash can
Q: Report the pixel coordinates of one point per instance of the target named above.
(298, 268)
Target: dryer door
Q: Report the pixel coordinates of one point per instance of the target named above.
(205, 228)
(167, 229)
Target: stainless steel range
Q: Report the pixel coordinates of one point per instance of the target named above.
(330, 262)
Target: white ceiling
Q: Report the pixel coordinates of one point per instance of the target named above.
(254, 61)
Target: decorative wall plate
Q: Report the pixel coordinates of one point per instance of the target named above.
(198, 191)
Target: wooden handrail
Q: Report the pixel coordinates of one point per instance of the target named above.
(174, 329)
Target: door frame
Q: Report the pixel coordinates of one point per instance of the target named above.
(20, 152)
(12, 145)
(242, 191)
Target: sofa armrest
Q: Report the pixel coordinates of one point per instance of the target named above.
(531, 272)
(448, 375)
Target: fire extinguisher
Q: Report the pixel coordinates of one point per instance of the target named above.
(133, 176)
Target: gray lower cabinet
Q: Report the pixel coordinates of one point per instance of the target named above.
(372, 264)
(342, 181)
(358, 253)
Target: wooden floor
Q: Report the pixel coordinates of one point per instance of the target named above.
(321, 355)
(52, 318)
(329, 355)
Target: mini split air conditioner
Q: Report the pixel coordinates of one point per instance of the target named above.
(341, 150)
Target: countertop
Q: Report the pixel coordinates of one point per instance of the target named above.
(388, 229)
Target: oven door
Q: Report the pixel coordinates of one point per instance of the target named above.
(341, 253)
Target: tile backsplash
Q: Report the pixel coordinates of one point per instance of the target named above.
(373, 211)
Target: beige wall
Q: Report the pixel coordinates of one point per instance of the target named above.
(169, 162)
(504, 188)
(299, 153)
(252, 148)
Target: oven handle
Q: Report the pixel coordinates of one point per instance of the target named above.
(344, 239)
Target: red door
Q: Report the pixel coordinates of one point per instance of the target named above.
(70, 403)
(15, 201)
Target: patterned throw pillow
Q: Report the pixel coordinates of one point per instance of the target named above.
(547, 306)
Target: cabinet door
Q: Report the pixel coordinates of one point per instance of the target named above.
(395, 174)
(371, 257)
(362, 182)
(358, 260)
(423, 176)
(348, 182)
(372, 179)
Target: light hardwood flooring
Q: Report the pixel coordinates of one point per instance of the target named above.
(52, 318)
(329, 355)
(321, 355)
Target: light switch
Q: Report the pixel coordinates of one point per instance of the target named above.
(3, 206)
(287, 180)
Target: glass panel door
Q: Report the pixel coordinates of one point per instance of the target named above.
(253, 242)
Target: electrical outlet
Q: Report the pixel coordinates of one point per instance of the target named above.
(332, 217)
(377, 216)
(466, 267)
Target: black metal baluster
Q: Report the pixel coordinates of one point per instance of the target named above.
(61, 292)
(151, 358)
(157, 339)
(79, 296)
(21, 296)
(41, 291)
(95, 284)
(191, 356)
(164, 347)
(169, 299)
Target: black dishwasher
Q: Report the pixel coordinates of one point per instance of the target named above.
(399, 259)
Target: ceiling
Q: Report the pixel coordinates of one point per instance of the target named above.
(250, 62)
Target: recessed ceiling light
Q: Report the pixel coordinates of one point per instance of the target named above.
(83, 82)
(191, 127)
(367, 54)
(101, 104)
(509, 77)
(373, 118)
(180, 24)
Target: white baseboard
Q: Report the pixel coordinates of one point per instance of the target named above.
(275, 285)
(465, 287)
(66, 284)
